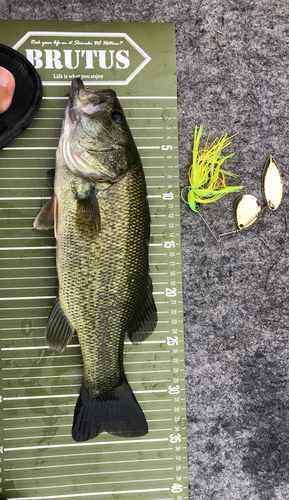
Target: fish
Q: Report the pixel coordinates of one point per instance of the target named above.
(101, 219)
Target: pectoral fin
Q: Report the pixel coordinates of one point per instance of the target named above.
(145, 317)
(87, 216)
(58, 329)
(45, 218)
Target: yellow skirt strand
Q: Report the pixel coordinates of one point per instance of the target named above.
(207, 180)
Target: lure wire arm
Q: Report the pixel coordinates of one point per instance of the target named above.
(236, 231)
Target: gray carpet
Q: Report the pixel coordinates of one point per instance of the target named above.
(233, 70)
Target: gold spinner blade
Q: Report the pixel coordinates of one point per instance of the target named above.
(272, 184)
(247, 209)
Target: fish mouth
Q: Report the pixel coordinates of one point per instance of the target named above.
(91, 102)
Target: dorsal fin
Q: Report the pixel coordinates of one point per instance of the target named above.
(144, 319)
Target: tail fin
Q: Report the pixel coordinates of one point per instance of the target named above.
(119, 413)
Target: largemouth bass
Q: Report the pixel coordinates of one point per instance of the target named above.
(102, 227)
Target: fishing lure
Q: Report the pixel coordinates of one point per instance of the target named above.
(207, 180)
(207, 184)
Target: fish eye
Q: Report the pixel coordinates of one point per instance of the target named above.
(117, 116)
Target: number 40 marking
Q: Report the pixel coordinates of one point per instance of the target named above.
(176, 488)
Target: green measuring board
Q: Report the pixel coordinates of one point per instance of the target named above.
(39, 388)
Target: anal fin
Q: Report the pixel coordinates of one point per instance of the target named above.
(58, 329)
(145, 317)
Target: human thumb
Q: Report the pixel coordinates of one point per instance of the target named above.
(7, 87)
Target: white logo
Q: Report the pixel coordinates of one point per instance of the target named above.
(97, 58)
